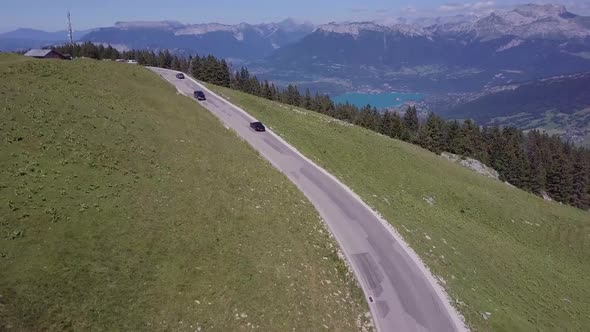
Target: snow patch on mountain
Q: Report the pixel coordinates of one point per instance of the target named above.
(511, 44)
(287, 25)
(409, 30)
(168, 25)
(266, 30)
(201, 29)
(353, 28)
(425, 22)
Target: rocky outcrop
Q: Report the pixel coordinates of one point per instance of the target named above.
(473, 164)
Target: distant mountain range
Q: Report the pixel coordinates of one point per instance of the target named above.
(462, 53)
(240, 42)
(22, 39)
(33, 34)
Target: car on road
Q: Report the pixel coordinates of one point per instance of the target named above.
(180, 76)
(257, 126)
(199, 95)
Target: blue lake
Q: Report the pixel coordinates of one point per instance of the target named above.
(379, 100)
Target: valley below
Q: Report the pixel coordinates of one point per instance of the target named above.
(557, 105)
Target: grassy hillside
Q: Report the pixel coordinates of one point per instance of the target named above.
(511, 261)
(125, 206)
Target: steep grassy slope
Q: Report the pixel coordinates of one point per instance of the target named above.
(125, 206)
(510, 260)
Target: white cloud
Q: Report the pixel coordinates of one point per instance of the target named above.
(396, 16)
(359, 9)
(483, 5)
(467, 7)
(409, 9)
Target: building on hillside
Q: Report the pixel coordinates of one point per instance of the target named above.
(45, 54)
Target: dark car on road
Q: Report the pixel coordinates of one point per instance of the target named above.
(257, 126)
(199, 95)
(180, 76)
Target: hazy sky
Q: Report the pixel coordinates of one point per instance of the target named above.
(51, 14)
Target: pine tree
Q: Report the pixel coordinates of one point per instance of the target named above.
(189, 68)
(560, 178)
(468, 139)
(292, 95)
(274, 91)
(225, 73)
(243, 79)
(581, 180)
(175, 64)
(140, 58)
(453, 137)
(411, 124)
(152, 59)
(391, 124)
(431, 134)
(317, 103)
(209, 69)
(108, 53)
(184, 64)
(89, 50)
(196, 68)
(165, 59)
(266, 91)
(559, 170)
(498, 159)
(368, 117)
(255, 87)
(516, 170)
(538, 173)
(307, 100)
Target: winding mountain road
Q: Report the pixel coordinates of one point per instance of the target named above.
(401, 292)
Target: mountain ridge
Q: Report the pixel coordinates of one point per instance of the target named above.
(26, 38)
(525, 21)
(241, 41)
(459, 54)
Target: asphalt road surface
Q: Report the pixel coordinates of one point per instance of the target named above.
(401, 294)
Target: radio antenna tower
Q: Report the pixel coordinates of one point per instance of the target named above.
(70, 33)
